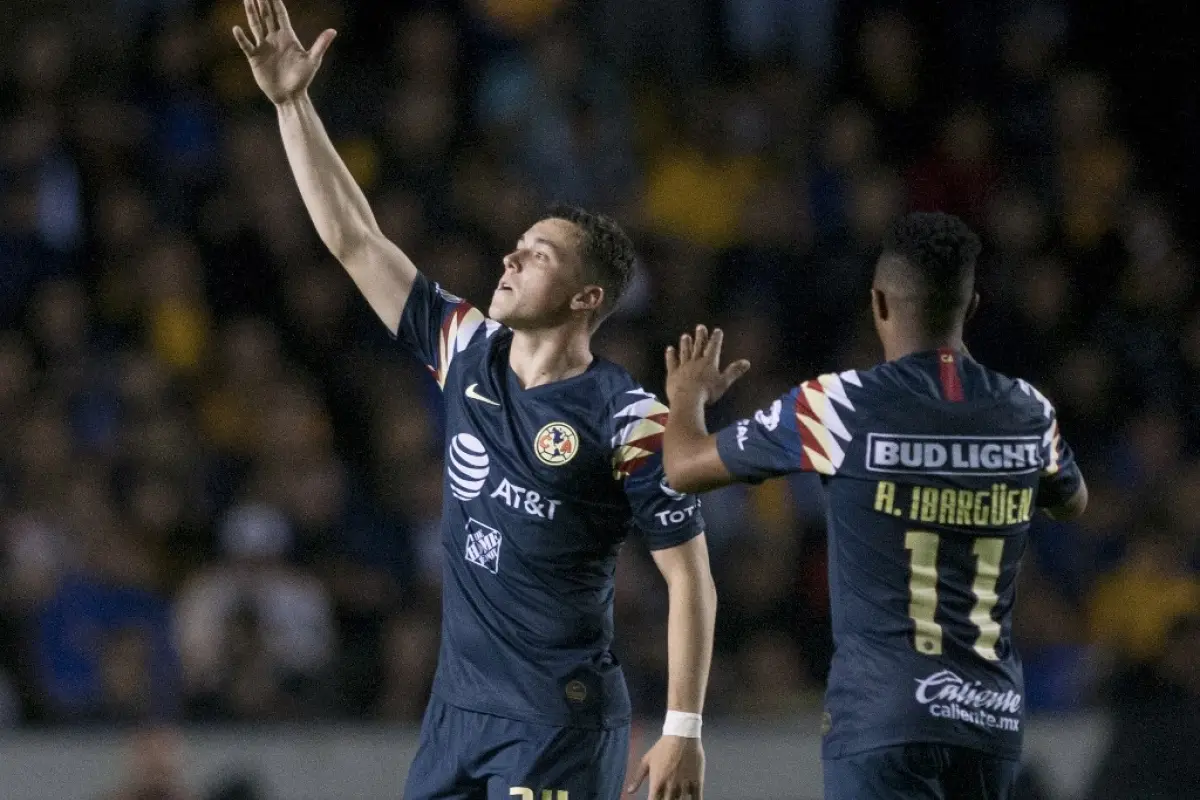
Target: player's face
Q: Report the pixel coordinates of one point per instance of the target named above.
(543, 278)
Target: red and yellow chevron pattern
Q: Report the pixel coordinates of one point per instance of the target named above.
(457, 329)
(640, 433)
(819, 423)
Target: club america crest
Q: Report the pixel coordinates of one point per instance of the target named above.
(556, 444)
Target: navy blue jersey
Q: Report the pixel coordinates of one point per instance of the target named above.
(541, 487)
(933, 466)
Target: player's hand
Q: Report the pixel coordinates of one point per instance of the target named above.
(675, 766)
(282, 67)
(695, 368)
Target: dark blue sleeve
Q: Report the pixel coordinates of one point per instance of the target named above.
(666, 518)
(436, 326)
(805, 430)
(1060, 478)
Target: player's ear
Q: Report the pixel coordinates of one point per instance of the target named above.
(590, 298)
(972, 307)
(879, 305)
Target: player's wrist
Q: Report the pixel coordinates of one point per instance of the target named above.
(689, 402)
(292, 102)
(683, 724)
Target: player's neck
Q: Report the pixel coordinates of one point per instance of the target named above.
(905, 344)
(541, 357)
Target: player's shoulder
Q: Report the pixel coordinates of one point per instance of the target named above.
(909, 375)
(1018, 394)
(1031, 399)
(847, 389)
(617, 387)
(627, 399)
(611, 375)
(833, 401)
(839, 385)
(637, 420)
(435, 287)
(980, 383)
(464, 320)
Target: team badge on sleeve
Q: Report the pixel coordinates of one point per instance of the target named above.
(556, 444)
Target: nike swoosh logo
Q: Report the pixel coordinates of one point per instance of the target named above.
(474, 395)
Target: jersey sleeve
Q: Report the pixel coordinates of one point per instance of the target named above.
(1060, 477)
(804, 430)
(666, 518)
(436, 326)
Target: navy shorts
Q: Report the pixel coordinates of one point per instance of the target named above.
(921, 772)
(465, 755)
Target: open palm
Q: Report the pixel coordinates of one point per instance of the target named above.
(282, 67)
(696, 367)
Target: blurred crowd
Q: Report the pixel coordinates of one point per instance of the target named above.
(220, 496)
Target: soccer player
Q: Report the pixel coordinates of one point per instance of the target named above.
(934, 466)
(552, 456)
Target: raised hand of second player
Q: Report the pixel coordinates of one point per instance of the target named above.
(695, 368)
(282, 67)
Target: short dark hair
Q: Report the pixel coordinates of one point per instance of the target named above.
(606, 251)
(933, 257)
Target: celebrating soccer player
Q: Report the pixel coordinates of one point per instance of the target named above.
(934, 466)
(552, 456)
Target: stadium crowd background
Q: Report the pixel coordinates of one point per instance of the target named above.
(220, 485)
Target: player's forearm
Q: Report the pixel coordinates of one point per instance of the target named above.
(337, 205)
(691, 616)
(342, 215)
(684, 436)
(690, 457)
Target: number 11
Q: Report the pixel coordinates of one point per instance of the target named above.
(923, 597)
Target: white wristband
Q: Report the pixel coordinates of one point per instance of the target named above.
(682, 723)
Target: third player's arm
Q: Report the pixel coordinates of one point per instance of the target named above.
(690, 457)
(690, 619)
(694, 380)
(341, 213)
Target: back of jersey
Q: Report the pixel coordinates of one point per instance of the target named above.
(934, 467)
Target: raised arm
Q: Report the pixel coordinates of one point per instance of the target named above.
(695, 380)
(284, 70)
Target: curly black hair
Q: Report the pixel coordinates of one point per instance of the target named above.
(933, 257)
(607, 252)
